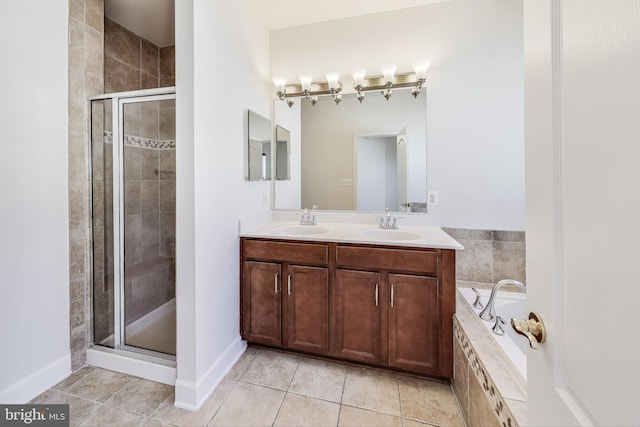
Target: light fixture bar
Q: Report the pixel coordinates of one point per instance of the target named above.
(402, 80)
(310, 90)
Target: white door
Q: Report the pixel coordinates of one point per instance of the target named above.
(582, 157)
(370, 171)
(401, 156)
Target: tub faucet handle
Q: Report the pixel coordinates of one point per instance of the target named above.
(497, 327)
(477, 303)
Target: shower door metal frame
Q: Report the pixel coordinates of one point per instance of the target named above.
(118, 101)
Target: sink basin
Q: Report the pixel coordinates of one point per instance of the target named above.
(390, 234)
(301, 230)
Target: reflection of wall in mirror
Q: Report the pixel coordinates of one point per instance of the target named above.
(328, 133)
(287, 192)
(283, 136)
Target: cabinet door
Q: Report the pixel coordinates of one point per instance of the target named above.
(357, 316)
(307, 309)
(261, 302)
(414, 323)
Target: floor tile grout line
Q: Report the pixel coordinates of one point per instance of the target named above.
(286, 392)
(235, 384)
(344, 384)
(400, 400)
(312, 397)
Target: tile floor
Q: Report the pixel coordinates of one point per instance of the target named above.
(264, 388)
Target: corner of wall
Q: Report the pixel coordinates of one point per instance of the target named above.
(192, 395)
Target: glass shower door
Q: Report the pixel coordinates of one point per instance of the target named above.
(148, 183)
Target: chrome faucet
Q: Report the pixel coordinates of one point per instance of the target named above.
(387, 222)
(307, 217)
(489, 312)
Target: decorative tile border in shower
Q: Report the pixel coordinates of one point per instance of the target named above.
(138, 141)
(488, 386)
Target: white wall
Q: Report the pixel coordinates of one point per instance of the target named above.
(222, 62)
(34, 242)
(475, 154)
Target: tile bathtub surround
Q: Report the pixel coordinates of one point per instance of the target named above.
(489, 255)
(490, 391)
(264, 388)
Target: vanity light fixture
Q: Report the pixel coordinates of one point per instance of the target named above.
(358, 82)
(305, 83)
(388, 71)
(281, 89)
(361, 83)
(335, 85)
(420, 67)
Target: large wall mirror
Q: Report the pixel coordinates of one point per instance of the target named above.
(358, 156)
(258, 166)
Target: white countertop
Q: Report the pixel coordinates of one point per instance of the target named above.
(367, 233)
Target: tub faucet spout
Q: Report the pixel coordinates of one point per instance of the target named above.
(489, 312)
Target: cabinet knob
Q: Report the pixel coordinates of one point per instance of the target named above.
(289, 284)
(275, 284)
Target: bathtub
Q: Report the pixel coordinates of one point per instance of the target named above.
(508, 305)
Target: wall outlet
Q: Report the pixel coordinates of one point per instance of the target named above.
(346, 182)
(432, 198)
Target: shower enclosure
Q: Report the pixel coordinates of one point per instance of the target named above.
(133, 203)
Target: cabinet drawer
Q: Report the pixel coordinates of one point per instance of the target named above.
(295, 253)
(417, 261)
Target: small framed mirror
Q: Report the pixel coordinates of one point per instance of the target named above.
(283, 150)
(258, 167)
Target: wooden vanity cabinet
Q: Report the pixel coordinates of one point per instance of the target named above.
(357, 316)
(261, 302)
(284, 302)
(383, 306)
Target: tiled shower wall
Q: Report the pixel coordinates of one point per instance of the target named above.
(86, 34)
(489, 255)
(133, 63)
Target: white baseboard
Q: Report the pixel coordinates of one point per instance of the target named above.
(132, 366)
(192, 395)
(37, 383)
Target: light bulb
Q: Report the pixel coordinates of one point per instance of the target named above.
(358, 76)
(280, 83)
(332, 79)
(388, 71)
(421, 67)
(305, 81)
